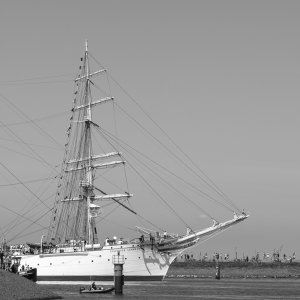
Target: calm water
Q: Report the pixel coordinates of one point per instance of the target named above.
(239, 289)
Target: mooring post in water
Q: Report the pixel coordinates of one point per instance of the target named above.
(218, 274)
(118, 261)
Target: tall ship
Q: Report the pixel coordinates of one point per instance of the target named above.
(72, 251)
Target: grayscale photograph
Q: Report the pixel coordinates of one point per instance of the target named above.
(149, 149)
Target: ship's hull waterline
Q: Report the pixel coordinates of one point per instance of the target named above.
(140, 264)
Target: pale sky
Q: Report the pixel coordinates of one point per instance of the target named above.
(221, 77)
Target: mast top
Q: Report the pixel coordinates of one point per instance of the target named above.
(86, 46)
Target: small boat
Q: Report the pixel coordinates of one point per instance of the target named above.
(96, 291)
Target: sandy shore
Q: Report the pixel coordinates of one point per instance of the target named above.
(15, 287)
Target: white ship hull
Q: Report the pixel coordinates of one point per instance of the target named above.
(140, 264)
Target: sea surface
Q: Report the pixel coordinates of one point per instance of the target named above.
(195, 288)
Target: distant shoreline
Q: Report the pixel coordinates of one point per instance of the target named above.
(199, 269)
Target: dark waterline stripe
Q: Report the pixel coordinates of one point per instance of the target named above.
(98, 278)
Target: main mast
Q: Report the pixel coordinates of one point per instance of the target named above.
(88, 188)
(75, 209)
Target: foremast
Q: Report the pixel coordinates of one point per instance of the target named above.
(75, 206)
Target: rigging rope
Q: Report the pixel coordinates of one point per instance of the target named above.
(208, 180)
(168, 171)
(22, 183)
(20, 112)
(37, 80)
(35, 120)
(210, 183)
(27, 145)
(170, 151)
(149, 186)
